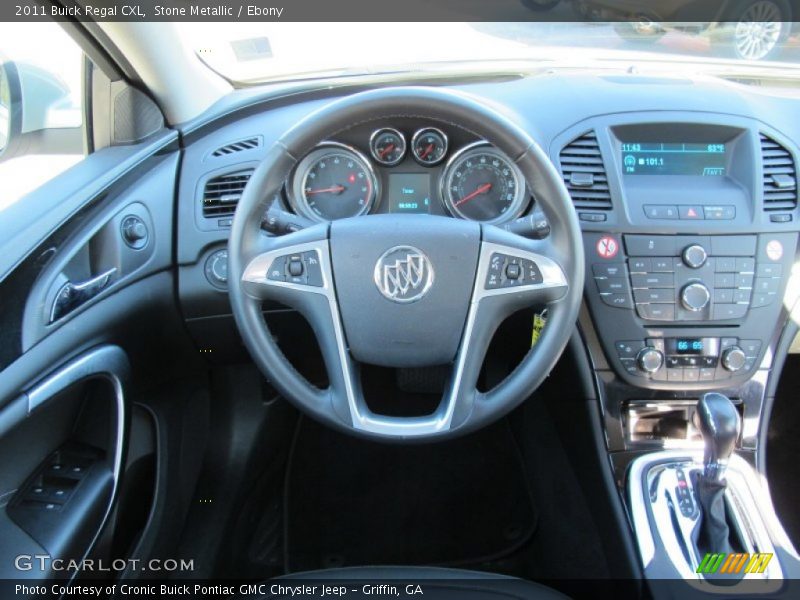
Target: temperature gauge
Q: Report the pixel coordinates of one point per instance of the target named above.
(429, 146)
(388, 146)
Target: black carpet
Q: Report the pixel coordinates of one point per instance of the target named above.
(354, 502)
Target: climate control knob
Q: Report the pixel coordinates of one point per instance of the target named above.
(695, 297)
(694, 256)
(733, 358)
(649, 360)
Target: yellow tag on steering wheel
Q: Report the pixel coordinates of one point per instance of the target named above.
(539, 321)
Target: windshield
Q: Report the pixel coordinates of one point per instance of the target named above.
(255, 52)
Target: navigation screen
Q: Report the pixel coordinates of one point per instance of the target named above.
(674, 159)
(409, 193)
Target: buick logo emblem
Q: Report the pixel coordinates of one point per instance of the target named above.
(403, 274)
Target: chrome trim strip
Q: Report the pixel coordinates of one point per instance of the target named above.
(362, 418)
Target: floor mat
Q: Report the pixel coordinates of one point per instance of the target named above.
(354, 502)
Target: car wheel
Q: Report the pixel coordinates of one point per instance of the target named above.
(540, 5)
(639, 32)
(756, 32)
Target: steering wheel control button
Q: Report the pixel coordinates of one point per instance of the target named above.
(296, 266)
(134, 232)
(511, 271)
(216, 269)
(694, 256)
(300, 269)
(277, 270)
(695, 297)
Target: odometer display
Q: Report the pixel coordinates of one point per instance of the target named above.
(334, 182)
(481, 184)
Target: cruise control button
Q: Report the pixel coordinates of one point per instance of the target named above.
(277, 270)
(531, 275)
(618, 300)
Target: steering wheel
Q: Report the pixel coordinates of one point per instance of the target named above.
(405, 290)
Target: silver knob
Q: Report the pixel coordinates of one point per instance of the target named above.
(649, 359)
(694, 256)
(733, 358)
(695, 297)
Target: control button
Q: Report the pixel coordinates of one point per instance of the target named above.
(513, 271)
(722, 312)
(733, 245)
(691, 212)
(707, 374)
(656, 312)
(650, 360)
(657, 343)
(749, 363)
(640, 265)
(617, 300)
(695, 297)
(628, 349)
(722, 296)
(612, 285)
(660, 211)
(751, 347)
(313, 268)
(741, 296)
(674, 374)
(134, 232)
(277, 270)
(744, 280)
(758, 300)
(780, 218)
(216, 269)
(724, 280)
(650, 245)
(690, 361)
(694, 256)
(657, 295)
(733, 359)
(691, 374)
(724, 212)
(653, 280)
(225, 222)
(769, 270)
(708, 361)
(629, 364)
(296, 266)
(531, 275)
(663, 265)
(592, 217)
(766, 285)
(608, 269)
(728, 342)
(673, 362)
(745, 265)
(725, 264)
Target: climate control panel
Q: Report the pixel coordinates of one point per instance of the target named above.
(679, 359)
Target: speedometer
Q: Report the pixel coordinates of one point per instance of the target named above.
(333, 182)
(480, 183)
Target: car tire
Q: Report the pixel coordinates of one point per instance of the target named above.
(632, 32)
(540, 5)
(753, 30)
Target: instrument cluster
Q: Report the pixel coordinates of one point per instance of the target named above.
(407, 170)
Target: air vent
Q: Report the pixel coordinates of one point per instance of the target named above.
(584, 173)
(222, 193)
(779, 176)
(240, 146)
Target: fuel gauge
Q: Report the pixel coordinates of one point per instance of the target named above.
(388, 146)
(429, 146)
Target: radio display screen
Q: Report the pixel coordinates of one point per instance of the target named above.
(688, 346)
(657, 158)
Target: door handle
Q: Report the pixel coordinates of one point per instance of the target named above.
(71, 295)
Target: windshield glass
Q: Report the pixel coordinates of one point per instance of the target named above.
(254, 52)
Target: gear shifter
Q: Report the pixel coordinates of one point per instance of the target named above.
(719, 422)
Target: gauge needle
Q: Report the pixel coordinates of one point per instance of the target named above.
(386, 150)
(481, 190)
(336, 189)
(428, 150)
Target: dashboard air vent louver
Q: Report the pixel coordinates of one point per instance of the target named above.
(779, 176)
(584, 173)
(222, 193)
(241, 145)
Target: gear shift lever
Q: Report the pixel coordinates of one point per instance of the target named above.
(719, 422)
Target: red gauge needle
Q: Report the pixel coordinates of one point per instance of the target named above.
(428, 150)
(481, 190)
(336, 189)
(386, 150)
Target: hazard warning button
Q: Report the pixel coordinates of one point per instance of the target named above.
(691, 212)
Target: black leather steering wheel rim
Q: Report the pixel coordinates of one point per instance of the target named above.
(563, 248)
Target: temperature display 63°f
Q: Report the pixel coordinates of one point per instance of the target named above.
(657, 158)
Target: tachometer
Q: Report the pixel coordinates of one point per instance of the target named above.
(334, 182)
(480, 183)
